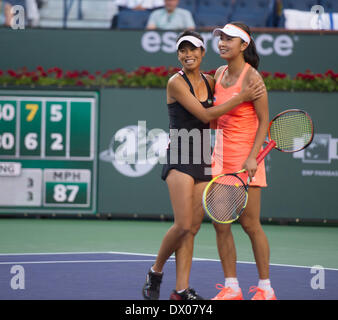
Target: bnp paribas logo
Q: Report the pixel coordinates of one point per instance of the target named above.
(323, 149)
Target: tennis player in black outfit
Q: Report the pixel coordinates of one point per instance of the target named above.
(189, 99)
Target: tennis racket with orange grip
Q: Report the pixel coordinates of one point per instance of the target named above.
(225, 197)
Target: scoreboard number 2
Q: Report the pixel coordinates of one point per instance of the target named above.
(57, 141)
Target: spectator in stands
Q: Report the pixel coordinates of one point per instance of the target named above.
(137, 5)
(33, 15)
(170, 17)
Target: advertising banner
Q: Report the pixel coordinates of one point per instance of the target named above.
(101, 50)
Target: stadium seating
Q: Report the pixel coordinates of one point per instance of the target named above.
(214, 6)
(255, 13)
(211, 13)
(204, 20)
(330, 5)
(206, 13)
(130, 19)
(304, 5)
(298, 15)
(188, 5)
(95, 14)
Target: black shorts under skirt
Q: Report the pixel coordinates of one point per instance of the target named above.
(197, 171)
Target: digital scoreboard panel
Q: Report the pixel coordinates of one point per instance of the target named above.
(48, 152)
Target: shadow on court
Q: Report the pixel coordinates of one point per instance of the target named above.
(116, 276)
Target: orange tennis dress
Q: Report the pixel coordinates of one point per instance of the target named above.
(236, 132)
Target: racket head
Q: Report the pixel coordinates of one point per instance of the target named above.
(225, 197)
(292, 130)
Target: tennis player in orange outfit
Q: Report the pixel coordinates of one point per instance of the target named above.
(239, 138)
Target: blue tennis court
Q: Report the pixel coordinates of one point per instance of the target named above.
(120, 276)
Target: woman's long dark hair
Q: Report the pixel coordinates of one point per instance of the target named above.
(250, 54)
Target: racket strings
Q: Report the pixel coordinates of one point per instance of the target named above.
(292, 131)
(226, 198)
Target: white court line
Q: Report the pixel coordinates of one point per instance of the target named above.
(52, 253)
(141, 254)
(218, 260)
(73, 261)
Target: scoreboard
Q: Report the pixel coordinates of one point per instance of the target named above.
(48, 152)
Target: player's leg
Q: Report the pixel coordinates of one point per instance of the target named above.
(226, 249)
(181, 188)
(184, 253)
(227, 253)
(250, 221)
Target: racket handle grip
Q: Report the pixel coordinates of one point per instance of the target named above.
(266, 150)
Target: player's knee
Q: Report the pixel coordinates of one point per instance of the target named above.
(251, 227)
(182, 230)
(194, 229)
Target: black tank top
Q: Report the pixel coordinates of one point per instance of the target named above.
(180, 118)
(195, 157)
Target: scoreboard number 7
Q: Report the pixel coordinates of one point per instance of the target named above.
(33, 109)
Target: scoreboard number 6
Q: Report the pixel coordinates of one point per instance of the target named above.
(31, 141)
(62, 194)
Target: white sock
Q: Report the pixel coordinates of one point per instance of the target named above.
(232, 283)
(264, 284)
(152, 270)
(181, 291)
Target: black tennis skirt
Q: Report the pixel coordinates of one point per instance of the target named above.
(198, 169)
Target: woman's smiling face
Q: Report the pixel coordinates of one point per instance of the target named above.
(230, 47)
(190, 56)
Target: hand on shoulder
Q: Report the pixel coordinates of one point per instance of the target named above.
(253, 76)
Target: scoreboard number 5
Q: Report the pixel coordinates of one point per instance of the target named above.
(64, 193)
(55, 113)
